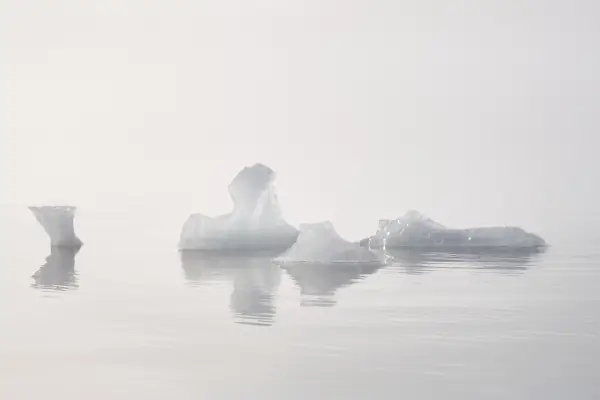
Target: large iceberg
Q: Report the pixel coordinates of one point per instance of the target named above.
(319, 243)
(255, 223)
(57, 221)
(415, 230)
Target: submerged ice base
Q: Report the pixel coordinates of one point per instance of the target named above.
(415, 230)
(57, 221)
(319, 243)
(255, 223)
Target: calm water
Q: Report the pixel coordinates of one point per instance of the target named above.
(128, 318)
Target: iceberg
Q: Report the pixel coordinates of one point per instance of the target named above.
(319, 243)
(415, 230)
(57, 221)
(255, 223)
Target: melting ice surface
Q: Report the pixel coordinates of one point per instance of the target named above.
(319, 243)
(416, 230)
(57, 221)
(255, 223)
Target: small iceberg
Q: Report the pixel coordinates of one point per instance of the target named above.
(255, 223)
(57, 221)
(319, 243)
(415, 230)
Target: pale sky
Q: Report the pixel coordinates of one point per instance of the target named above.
(475, 112)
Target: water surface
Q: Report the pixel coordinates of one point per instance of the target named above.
(129, 317)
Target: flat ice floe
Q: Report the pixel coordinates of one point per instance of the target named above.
(415, 230)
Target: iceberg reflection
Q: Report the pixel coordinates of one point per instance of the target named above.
(58, 273)
(319, 283)
(503, 261)
(254, 277)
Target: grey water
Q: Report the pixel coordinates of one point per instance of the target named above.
(129, 317)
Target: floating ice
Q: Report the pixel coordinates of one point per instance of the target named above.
(57, 221)
(319, 243)
(418, 231)
(254, 224)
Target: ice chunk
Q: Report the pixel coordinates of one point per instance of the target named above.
(416, 230)
(319, 243)
(255, 204)
(57, 221)
(408, 228)
(505, 236)
(255, 222)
